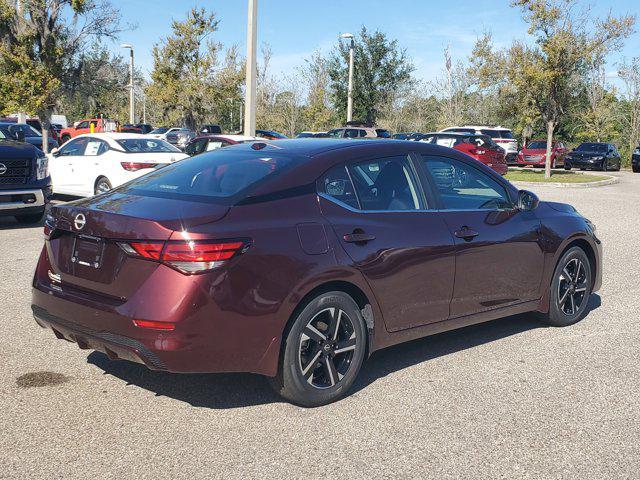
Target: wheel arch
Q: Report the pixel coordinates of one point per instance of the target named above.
(364, 302)
(594, 264)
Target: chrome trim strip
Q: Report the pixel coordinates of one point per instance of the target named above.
(13, 205)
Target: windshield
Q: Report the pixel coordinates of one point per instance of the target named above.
(592, 147)
(2, 135)
(159, 131)
(220, 174)
(146, 145)
(537, 146)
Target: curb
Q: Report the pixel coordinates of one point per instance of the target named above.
(599, 183)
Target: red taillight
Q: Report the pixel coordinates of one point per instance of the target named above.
(200, 252)
(186, 256)
(135, 166)
(150, 250)
(154, 325)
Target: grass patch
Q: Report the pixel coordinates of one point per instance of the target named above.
(556, 177)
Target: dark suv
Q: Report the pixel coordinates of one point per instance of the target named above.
(25, 184)
(635, 160)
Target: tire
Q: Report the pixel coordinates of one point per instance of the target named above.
(567, 166)
(102, 185)
(636, 169)
(30, 218)
(313, 372)
(567, 300)
(604, 166)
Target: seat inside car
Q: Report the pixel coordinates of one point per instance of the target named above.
(392, 188)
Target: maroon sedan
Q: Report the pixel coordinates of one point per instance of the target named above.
(535, 154)
(298, 260)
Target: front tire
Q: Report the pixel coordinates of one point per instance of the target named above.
(323, 351)
(570, 289)
(636, 169)
(567, 166)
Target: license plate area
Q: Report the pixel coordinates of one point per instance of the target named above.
(87, 251)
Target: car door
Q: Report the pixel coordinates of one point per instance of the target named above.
(405, 251)
(499, 251)
(63, 177)
(92, 164)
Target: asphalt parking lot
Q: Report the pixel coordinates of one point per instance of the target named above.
(507, 399)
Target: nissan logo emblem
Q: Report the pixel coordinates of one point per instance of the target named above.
(3, 169)
(79, 222)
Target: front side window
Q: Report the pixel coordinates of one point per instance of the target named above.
(74, 147)
(196, 147)
(337, 185)
(27, 130)
(463, 187)
(386, 184)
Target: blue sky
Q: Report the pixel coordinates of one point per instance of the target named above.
(294, 29)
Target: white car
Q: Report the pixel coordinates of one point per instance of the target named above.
(94, 163)
(162, 132)
(502, 136)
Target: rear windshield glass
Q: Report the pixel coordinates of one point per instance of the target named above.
(537, 145)
(592, 147)
(145, 145)
(498, 133)
(220, 174)
(159, 131)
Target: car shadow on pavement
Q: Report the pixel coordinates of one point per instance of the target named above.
(236, 390)
(9, 223)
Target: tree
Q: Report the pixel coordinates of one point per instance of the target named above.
(98, 85)
(565, 43)
(380, 68)
(40, 43)
(183, 69)
(598, 120)
(629, 72)
(451, 88)
(318, 115)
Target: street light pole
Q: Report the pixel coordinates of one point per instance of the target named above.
(350, 85)
(132, 115)
(250, 88)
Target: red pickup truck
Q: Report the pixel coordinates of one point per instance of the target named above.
(84, 126)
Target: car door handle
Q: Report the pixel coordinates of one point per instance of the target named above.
(358, 237)
(466, 233)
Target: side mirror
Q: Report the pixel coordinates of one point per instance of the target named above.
(55, 152)
(527, 201)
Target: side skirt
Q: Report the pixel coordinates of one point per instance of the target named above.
(452, 324)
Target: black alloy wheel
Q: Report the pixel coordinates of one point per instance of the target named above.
(570, 288)
(323, 351)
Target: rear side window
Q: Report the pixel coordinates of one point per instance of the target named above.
(386, 184)
(337, 185)
(493, 133)
(221, 174)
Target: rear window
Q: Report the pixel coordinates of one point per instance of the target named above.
(493, 133)
(219, 175)
(144, 145)
(537, 145)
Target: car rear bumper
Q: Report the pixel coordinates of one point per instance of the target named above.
(207, 341)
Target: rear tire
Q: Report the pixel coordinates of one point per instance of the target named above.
(636, 169)
(570, 289)
(31, 218)
(323, 351)
(103, 185)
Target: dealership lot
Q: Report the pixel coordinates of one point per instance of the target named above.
(506, 399)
